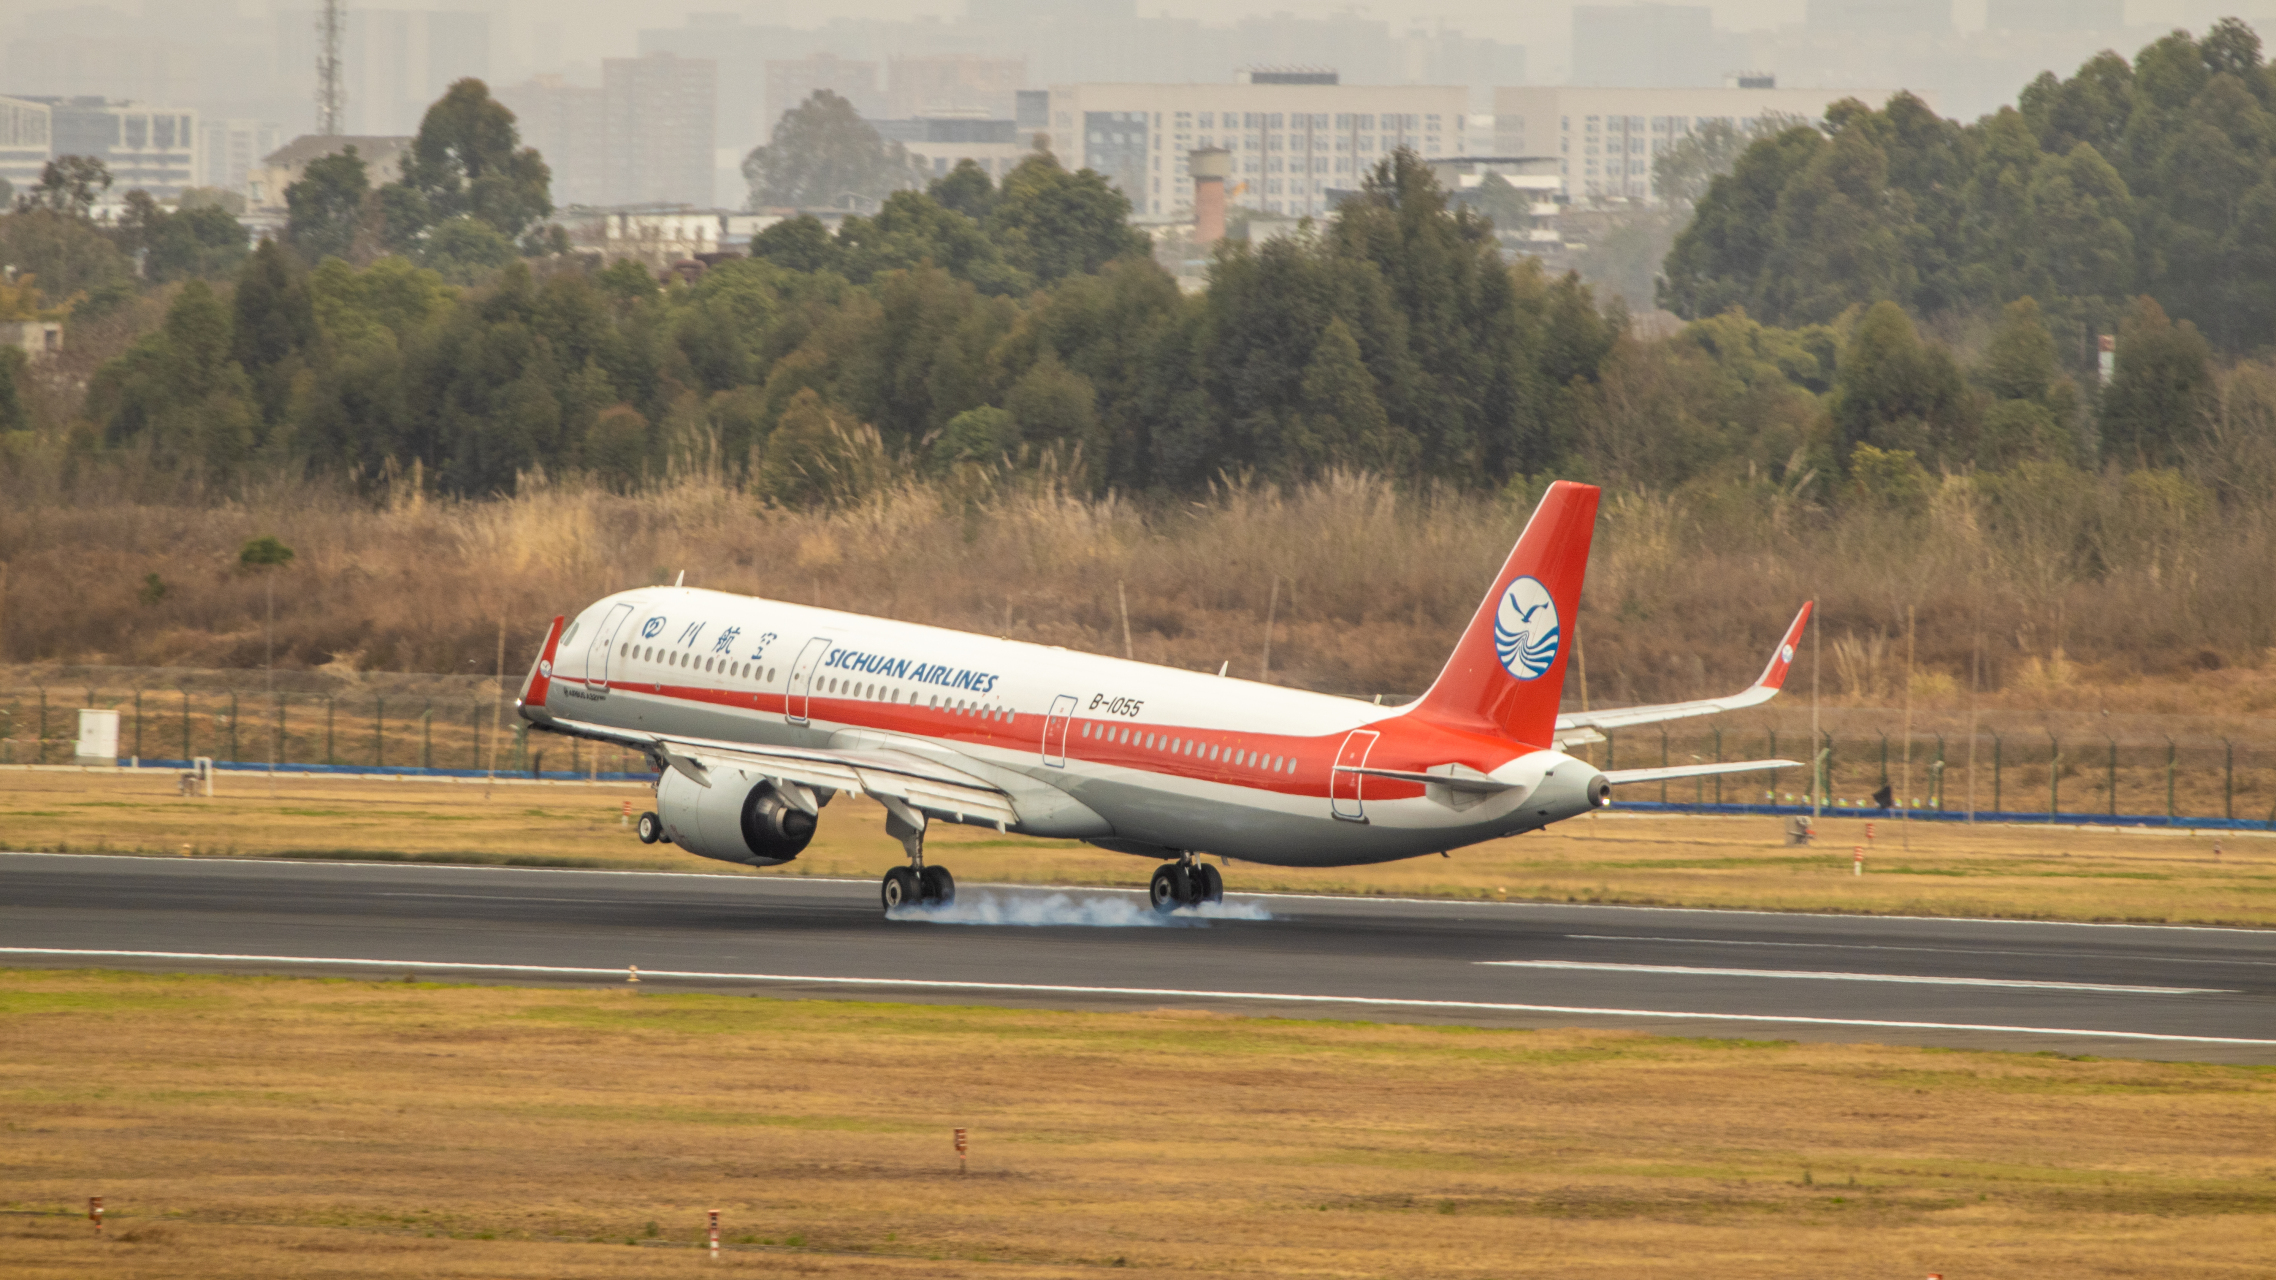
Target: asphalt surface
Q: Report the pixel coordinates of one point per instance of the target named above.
(2113, 990)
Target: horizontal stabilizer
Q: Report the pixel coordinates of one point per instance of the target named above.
(1618, 777)
(1468, 780)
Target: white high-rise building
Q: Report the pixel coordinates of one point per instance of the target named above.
(27, 132)
(1294, 135)
(1604, 139)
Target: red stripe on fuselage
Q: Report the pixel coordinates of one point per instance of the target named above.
(1407, 743)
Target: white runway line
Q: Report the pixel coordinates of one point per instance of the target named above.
(1380, 1002)
(1869, 946)
(1922, 979)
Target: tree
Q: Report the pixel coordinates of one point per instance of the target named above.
(273, 321)
(1897, 393)
(76, 263)
(2161, 391)
(468, 161)
(465, 248)
(1052, 224)
(1683, 171)
(912, 229)
(325, 206)
(1343, 423)
(13, 364)
(965, 189)
(201, 240)
(71, 185)
(178, 393)
(823, 155)
(798, 244)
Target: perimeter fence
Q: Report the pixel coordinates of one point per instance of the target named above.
(2002, 765)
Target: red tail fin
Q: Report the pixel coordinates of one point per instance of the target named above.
(1508, 672)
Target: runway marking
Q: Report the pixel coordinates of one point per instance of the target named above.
(1920, 979)
(934, 984)
(1945, 951)
(1848, 920)
(498, 897)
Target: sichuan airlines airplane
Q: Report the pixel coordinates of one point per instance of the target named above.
(756, 713)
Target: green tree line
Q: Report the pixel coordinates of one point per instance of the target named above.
(2155, 178)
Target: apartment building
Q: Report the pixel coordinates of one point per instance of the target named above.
(267, 181)
(953, 84)
(230, 149)
(26, 131)
(1604, 139)
(568, 124)
(153, 149)
(1293, 136)
(660, 126)
(940, 142)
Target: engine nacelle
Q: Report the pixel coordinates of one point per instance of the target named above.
(1568, 787)
(740, 817)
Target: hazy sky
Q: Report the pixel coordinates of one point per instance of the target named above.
(544, 35)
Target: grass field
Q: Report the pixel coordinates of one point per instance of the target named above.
(1916, 868)
(254, 1126)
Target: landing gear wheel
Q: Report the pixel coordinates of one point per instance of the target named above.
(1171, 887)
(937, 886)
(651, 828)
(1208, 885)
(899, 889)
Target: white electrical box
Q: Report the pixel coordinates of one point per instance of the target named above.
(98, 738)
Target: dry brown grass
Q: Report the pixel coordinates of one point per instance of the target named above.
(2090, 600)
(243, 1126)
(1913, 869)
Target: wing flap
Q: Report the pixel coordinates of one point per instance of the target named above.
(922, 784)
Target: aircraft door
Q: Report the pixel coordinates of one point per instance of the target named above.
(802, 676)
(1055, 730)
(1343, 784)
(603, 647)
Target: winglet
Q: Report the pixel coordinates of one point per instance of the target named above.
(539, 682)
(1508, 672)
(1782, 658)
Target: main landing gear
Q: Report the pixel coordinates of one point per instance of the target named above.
(916, 884)
(1185, 883)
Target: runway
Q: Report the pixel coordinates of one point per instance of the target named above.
(2197, 994)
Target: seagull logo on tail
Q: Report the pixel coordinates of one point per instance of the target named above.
(1525, 629)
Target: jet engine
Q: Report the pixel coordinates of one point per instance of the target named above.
(741, 817)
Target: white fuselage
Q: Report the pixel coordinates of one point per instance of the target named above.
(1129, 755)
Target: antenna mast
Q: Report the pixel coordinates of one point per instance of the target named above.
(331, 98)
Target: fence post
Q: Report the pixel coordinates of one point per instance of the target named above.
(1936, 792)
(1884, 757)
(427, 736)
(474, 722)
(2228, 779)
(187, 754)
(1663, 765)
(1607, 752)
(2169, 762)
(1774, 772)
(1995, 771)
(43, 725)
(2054, 775)
(328, 730)
(138, 724)
(1718, 760)
(1827, 776)
(2113, 773)
(233, 726)
(378, 731)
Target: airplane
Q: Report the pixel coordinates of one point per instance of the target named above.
(756, 713)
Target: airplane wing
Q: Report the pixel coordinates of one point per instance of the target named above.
(1580, 726)
(893, 778)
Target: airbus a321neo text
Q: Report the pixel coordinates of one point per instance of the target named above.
(756, 713)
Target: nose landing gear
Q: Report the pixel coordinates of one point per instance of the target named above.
(916, 884)
(1185, 883)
